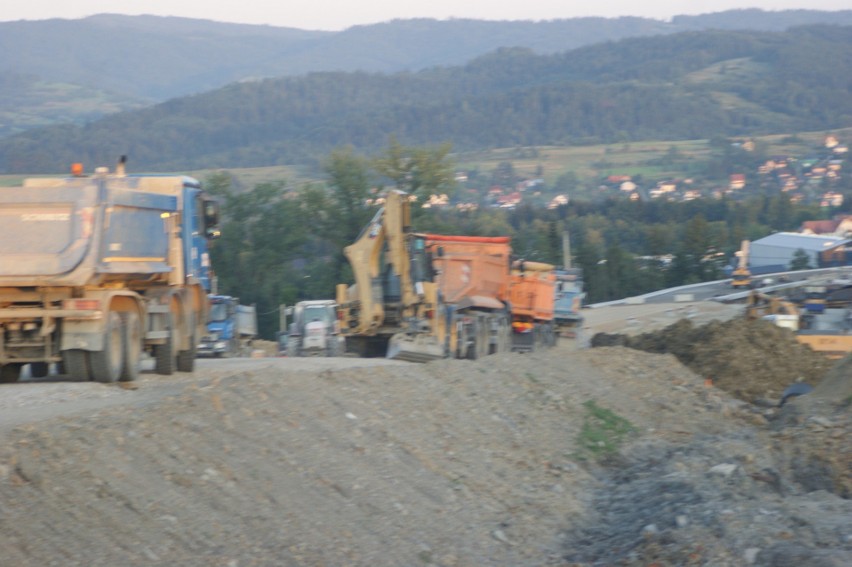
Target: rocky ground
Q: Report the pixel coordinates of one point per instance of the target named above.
(604, 456)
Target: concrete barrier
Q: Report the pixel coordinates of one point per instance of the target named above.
(684, 297)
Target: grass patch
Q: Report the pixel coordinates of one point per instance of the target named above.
(603, 432)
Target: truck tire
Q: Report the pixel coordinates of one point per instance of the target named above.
(108, 363)
(473, 340)
(293, 347)
(9, 373)
(131, 346)
(505, 342)
(76, 363)
(164, 354)
(39, 369)
(186, 358)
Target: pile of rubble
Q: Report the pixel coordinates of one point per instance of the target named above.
(753, 360)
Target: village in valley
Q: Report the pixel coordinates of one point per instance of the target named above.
(815, 178)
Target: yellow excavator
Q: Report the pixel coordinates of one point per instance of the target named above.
(393, 309)
(741, 277)
(779, 311)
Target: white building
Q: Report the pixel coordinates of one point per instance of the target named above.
(778, 250)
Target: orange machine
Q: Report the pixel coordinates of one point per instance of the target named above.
(532, 295)
(472, 274)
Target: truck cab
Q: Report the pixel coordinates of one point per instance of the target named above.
(314, 330)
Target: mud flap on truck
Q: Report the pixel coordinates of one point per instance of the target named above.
(415, 348)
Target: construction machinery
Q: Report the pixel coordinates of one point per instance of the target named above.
(393, 309)
(741, 276)
(420, 297)
(568, 303)
(314, 330)
(781, 312)
(532, 297)
(568, 300)
(828, 331)
(473, 278)
(96, 269)
(231, 327)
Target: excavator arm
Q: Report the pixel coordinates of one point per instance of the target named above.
(385, 301)
(361, 303)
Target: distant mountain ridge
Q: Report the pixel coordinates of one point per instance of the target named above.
(139, 60)
(688, 85)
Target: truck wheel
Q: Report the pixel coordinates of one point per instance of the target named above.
(473, 347)
(293, 347)
(9, 373)
(482, 338)
(132, 346)
(77, 365)
(39, 369)
(108, 363)
(186, 358)
(506, 336)
(164, 354)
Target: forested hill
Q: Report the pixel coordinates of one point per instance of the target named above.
(73, 71)
(687, 85)
(156, 58)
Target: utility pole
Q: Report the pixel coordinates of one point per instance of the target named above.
(566, 250)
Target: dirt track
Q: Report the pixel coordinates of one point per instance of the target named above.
(278, 462)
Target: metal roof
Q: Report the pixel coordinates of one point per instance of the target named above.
(807, 242)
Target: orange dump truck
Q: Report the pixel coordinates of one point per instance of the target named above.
(473, 277)
(532, 296)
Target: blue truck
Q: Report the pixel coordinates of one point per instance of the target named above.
(230, 327)
(569, 301)
(97, 269)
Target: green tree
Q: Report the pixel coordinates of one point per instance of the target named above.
(800, 261)
(349, 184)
(420, 171)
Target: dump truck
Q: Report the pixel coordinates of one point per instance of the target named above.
(532, 297)
(314, 330)
(473, 279)
(420, 296)
(231, 327)
(97, 269)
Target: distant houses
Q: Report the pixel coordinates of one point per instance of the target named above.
(813, 179)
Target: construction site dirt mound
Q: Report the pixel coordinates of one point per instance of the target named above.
(565, 456)
(752, 360)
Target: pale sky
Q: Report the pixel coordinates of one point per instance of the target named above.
(341, 14)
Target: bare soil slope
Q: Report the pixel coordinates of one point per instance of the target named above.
(753, 360)
(504, 461)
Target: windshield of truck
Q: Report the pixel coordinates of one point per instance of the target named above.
(318, 313)
(219, 312)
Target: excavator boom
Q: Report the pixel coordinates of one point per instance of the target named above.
(392, 309)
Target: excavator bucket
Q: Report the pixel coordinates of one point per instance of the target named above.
(415, 348)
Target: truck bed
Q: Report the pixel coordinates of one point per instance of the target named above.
(66, 232)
